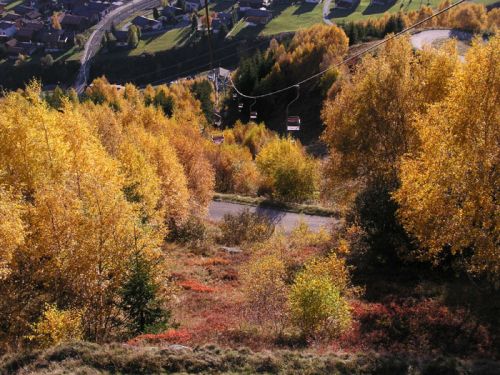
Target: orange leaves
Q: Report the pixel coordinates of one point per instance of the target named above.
(196, 286)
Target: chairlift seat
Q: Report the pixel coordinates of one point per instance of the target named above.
(218, 139)
(253, 115)
(293, 120)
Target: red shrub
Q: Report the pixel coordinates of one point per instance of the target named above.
(216, 261)
(425, 325)
(196, 286)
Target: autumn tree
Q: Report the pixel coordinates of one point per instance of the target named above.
(317, 304)
(370, 127)
(265, 291)
(369, 124)
(79, 226)
(133, 36)
(56, 24)
(289, 173)
(56, 326)
(12, 228)
(448, 193)
(235, 170)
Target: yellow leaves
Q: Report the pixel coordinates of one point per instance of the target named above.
(85, 188)
(290, 173)
(317, 304)
(448, 190)
(57, 326)
(265, 291)
(11, 228)
(369, 124)
(311, 49)
(235, 169)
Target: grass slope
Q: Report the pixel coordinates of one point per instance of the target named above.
(161, 42)
(87, 358)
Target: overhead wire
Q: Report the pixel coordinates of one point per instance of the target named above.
(351, 58)
(197, 58)
(196, 68)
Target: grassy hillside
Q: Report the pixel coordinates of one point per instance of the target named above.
(86, 358)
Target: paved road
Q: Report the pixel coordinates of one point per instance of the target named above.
(428, 37)
(94, 42)
(287, 220)
(326, 12)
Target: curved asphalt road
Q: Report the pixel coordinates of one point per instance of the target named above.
(287, 220)
(427, 37)
(326, 12)
(94, 42)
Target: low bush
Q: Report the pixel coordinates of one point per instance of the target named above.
(419, 325)
(245, 227)
(193, 232)
(317, 299)
(57, 326)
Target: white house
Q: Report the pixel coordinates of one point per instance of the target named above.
(7, 29)
(192, 6)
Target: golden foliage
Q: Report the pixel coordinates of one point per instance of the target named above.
(235, 170)
(57, 326)
(288, 171)
(84, 188)
(317, 306)
(449, 188)
(265, 291)
(11, 228)
(369, 124)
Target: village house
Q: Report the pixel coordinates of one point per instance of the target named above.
(146, 24)
(258, 16)
(192, 6)
(73, 23)
(94, 11)
(12, 17)
(15, 48)
(23, 9)
(25, 34)
(254, 4)
(54, 40)
(344, 4)
(7, 29)
(121, 38)
(72, 4)
(29, 30)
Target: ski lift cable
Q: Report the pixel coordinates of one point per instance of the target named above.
(201, 56)
(353, 57)
(195, 68)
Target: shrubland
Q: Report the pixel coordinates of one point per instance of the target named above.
(103, 233)
(87, 188)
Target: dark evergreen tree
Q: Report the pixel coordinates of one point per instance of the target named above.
(156, 14)
(165, 102)
(202, 91)
(141, 303)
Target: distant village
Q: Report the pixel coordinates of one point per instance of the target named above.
(54, 26)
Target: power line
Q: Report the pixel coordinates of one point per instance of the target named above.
(353, 57)
(201, 56)
(195, 68)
